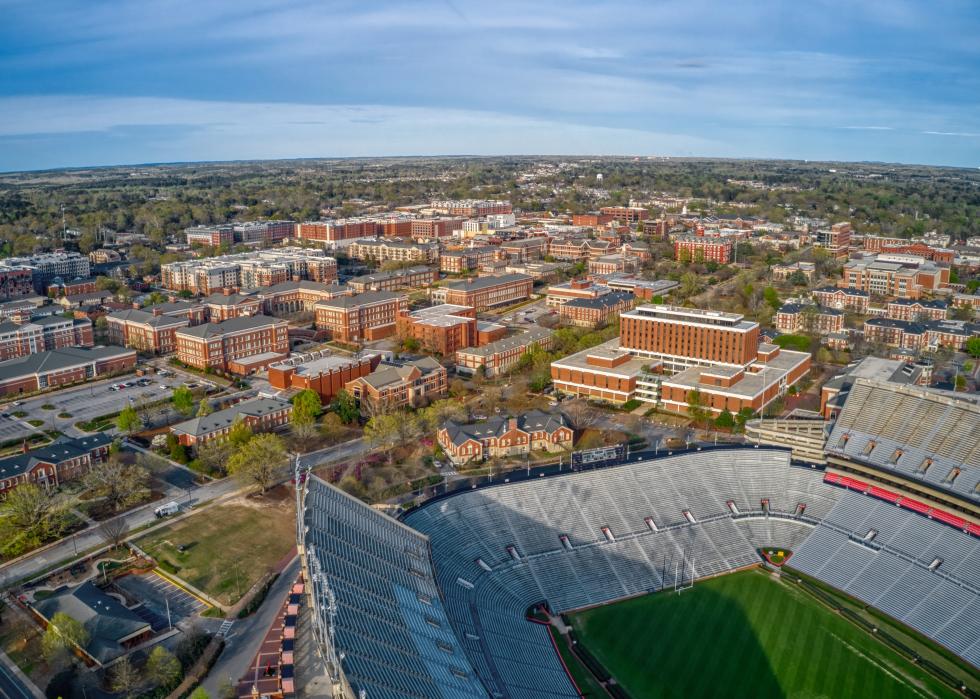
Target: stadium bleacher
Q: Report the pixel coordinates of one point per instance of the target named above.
(482, 557)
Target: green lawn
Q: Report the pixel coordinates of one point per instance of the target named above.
(745, 635)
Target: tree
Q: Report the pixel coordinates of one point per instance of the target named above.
(125, 677)
(381, 431)
(30, 515)
(119, 484)
(61, 637)
(113, 530)
(725, 421)
(239, 433)
(306, 407)
(581, 414)
(972, 347)
(332, 428)
(204, 408)
(183, 400)
(798, 278)
(696, 406)
(743, 416)
(772, 298)
(163, 668)
(345, 406)
(259, 461)
(128, 420)
(214, 455)
(960, 382)
(690, 284)
(200, 693)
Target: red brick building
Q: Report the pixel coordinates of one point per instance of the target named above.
(334, 230)
(809, 318)
(228, 304)
(446, 328)
(625, 214)
(211, 236)
(559, 294)
(362, 317)
(472, 208)
(467, 260)
(395, 280)
(43, 370)
(836, 240)
(436, 227)
(918, 310)
(847, 299)
(699, 249)
(72, 288)
(218, 345)
(396, 385)
(591, 313)
(260, 414)
(16, 281)
(325, 374)
(63, 460)
(502, 355)
(20, 339)
(152, 332)
(506, 436)
(486, 292)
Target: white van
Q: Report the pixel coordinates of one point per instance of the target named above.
(171, 508)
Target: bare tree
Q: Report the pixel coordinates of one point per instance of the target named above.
(581, 414)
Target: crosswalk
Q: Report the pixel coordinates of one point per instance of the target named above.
(225, 627)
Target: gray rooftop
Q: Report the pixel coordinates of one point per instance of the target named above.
(256, 407)
(487, 282)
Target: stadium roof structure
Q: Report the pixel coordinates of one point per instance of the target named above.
(922, 435)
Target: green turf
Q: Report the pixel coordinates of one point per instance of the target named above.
(745, 635)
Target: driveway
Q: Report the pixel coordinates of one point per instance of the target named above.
(159, 596)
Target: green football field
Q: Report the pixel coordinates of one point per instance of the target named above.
(745, 635)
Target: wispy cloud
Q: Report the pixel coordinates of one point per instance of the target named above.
(963, 134)
(868, 128)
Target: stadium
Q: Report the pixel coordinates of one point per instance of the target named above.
(437, 604)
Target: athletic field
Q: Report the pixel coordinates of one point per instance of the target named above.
(745, 635)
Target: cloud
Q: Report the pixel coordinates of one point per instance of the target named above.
(963, 134)
(868, 128)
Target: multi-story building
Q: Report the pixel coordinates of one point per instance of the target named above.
(227, 304)
(467, 260)
(263, 232)
(46, 266)
(642, 289)
(333, 230)
(836, 240)
(606, 372)
(395, 280)
(525, 249)
(146, 331)
(43, 370)
(846, 299)
(66, 459)
(618, 263)
(259, 414)
(897, 276)
(233, 344)
(322, 372)
(501, 356)
(20, 339)
(625, 214)
(429, 228)
(211, 236)
(919, 310)
(559, 294)
(300, 296)
(59, 287)
(362, 317)
(388, 251)
(785, 272)
(261, 268)
(809, 318)
(395, 385)
(591, 313)
(902, 246)
(698, 248)
(446, 328)
(485, 292)
(471, 208)
(506, 436)
(15, 281)
(578, 249)
(926, 335)
(103, 256)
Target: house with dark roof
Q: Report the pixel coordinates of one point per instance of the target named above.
(396, 384)
(260, 414)
(843, 298)
(506, 436)
(593, 312)
(113, 629)
(63, 460)
(43, 370)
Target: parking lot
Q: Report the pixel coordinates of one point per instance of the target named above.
(156, 593)
(12, 429)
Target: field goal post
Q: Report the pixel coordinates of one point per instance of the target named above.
(684, 574)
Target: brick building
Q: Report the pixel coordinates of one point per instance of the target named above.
(15, 282)
(578, 249)
(388, 251)
(894, 276)
(219, 345)
(428, 228)
(485, 292)
(525, 249)
(471, 208)
(395, 280)
(152, 332)
(809, 318)
(784, 272)
(20, 339)
(400, 384)
(65, 459)
(901, 246)
(211, 236)
(501, 356)
(846, 299)
(260, 414)
(360, 318)
(836, 240)
(618, 263)
(298, 296)
(45, 267)
(228, 304)
(918, 310)
(445, 328)
(625, 214)
(506, 436)
(335, 229)
(59, 287)
(467, 260)
(559, 294)
(43, 370)
(591, 313)
(702, 249)
(324, 373)
(260, 268)
(917, 336)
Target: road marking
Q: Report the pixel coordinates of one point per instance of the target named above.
(225, 627)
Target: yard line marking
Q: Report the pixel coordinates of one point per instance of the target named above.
(883, 668)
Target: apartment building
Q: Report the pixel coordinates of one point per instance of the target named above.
(298, 296)
(578, 249)
(362, 317)
(395, 280)
(43, 370)
(897, 276)
(227, 304)
(333, 230)
(232, 344)
(836, 240)
(471, 208)
(560, 294)
(845, 299)
(395, 385)
(211, 236)
(46, 266)
(260, 414)
(701, 249)
(429, 228)
(75, 287)
(20, 339)
(625, 214)
(525, 249)
(445, 328)
(146, 331)
(917, 310)
(261, 268)
(485, 292)
(902, 246)
(506, 436)
(66, 459)
(917, 336)
(386, 250)
(809, 318)
(263, 232)
(501, 356)
(593, 312)
(321, 372)
(15, 281)
(468, 260)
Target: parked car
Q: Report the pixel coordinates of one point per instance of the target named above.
(171, 508)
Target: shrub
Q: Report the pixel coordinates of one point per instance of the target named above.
(631, 405)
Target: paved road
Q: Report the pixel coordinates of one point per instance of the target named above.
(11, 686)
(245, 636)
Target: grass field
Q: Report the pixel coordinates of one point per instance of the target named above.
(745, 635)
(228, 547)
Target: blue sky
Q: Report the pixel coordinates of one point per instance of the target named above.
(128, 81)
